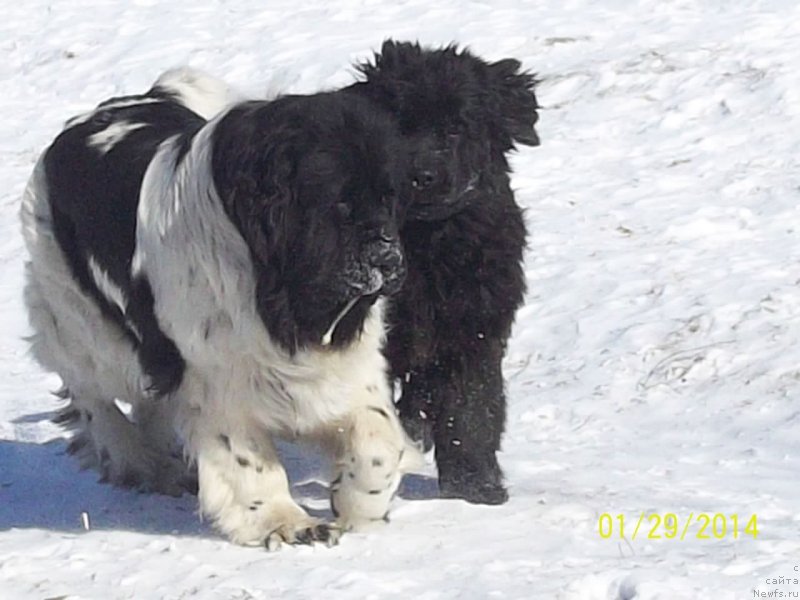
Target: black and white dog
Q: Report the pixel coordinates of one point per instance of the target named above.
(464, 240)
(228, 274)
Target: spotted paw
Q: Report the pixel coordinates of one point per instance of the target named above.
(321, 532)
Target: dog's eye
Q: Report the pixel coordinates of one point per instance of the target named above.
(344, 209)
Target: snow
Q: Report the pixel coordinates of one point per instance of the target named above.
(653, 369)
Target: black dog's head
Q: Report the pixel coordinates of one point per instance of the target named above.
(460, 113)
(310, 182)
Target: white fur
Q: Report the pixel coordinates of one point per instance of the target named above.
(198, 91)
(240, 389)
(119, 103)
(108, 288)
(112, 135)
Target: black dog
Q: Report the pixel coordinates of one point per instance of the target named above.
(224, 278)
(464, 241)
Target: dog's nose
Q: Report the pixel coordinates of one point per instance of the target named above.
(423, 178)
(386, 254)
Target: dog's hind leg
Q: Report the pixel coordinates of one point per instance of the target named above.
(105, 440)
(95, 360)
(172, 475)
(125, 452)
(72, 338)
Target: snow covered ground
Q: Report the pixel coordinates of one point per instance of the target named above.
(654, 369)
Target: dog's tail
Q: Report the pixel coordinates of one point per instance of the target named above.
(198, 91)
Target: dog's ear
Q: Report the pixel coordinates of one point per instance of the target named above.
(256, 180)
(394, 55)
(393, 58)
(254, 164)
(513, 92)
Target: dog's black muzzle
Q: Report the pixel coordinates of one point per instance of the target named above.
(436, 192)
(431, 172)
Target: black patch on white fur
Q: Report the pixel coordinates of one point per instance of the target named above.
(380, 411)
(94, 194)
(182, 146)
(334, 510)
(159, 356)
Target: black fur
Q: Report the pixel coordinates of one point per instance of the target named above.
(464, 242)
(309, 182)
(328, 178)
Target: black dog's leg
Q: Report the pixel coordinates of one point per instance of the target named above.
(417, 406)
(468, 429)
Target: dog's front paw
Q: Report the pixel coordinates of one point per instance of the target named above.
(261, 523)
(473, 491)
(374, 455)
(475, 485)
(362, 491)
(359, 509)
(305, 534)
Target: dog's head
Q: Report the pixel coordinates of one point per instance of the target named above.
(460, 113)
(311, 184)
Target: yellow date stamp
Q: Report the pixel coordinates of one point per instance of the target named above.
(669, 526)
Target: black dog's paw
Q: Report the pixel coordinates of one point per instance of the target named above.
(473, 491)
(480, 483)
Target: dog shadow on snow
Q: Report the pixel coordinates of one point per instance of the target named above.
(41, 487)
